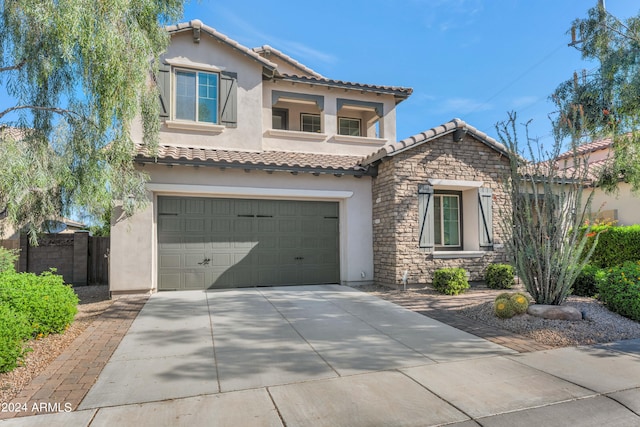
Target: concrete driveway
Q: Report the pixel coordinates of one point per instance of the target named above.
(335, 356)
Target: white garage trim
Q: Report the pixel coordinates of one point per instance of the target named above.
(242, 192)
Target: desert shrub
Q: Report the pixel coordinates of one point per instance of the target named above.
(620, 291)
(14, 330)
(586, 284)
(44, 299)
(450, 281)
(500, 276)
(520, 303)
(503, 308)
(8, 258)
(616, 245)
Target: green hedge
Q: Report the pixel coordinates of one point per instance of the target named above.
(14, 330)
(620, 292)
(450, 281)
(587, 282)
(500, 276)
(616, 245)
(45, 300)
(8, 258)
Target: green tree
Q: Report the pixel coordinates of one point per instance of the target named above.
(605, 102)
(547, 244)
(77, 73)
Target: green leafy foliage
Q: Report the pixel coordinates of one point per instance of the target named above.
(77, 74)
(620, 292)
(616, 245)
(450, 281)
(14, 330)
(500, 276)
(588, 281)
(8, 258)
(503, 308)
(45, 300)
(547, 208)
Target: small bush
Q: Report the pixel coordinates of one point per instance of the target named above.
(503, 308)
(616, 245)
(8, 258)
(14, 330)
(620, 291)
(500, 276)
(450, 281)
(586, 284)
(520, 303)
(47, 302)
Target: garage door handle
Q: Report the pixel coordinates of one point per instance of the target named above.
(205, 261)
(299, 258)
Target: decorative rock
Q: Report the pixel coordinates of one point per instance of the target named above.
(554, 312)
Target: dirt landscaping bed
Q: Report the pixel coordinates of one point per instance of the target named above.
(94, 300)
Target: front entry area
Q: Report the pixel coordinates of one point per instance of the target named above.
(206, 243)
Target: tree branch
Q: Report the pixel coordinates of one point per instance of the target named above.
(61, 111)
(14, 67)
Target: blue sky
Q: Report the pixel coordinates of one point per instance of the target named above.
(472, 59)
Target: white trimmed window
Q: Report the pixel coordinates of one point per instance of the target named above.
(310, 123)
(348, 126)
(447, 224)
(196, 96)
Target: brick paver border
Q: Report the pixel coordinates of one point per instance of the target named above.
(64, 383)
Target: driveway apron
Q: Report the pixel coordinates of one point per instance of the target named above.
(191, 343)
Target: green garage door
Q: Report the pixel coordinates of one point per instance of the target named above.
(220, 243)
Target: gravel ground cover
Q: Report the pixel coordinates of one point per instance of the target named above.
(94, 300)
(599, 325)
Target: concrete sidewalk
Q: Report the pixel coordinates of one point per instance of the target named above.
(334, 356)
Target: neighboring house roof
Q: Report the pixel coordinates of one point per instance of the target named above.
(266, 160)
(601, 144)
(12, 132)
(401, 93)
(455, 125)
(268, 50)
(197, 26)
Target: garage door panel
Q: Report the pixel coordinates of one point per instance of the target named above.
(169, 224)
(247, 243)
(194, 280)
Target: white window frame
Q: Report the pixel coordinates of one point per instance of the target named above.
(197, 103)
(440, 195)
(303, 115)
(351, 119)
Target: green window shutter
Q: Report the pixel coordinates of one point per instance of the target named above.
(229, 99)
(163, 80)
(425, 221)
(485, 216)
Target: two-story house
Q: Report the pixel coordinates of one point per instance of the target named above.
(269, 173)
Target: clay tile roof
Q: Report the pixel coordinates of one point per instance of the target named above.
(601, 144)
(398, 91)
(266, 49)
(197, 24)
(393, 148)
(266, 160)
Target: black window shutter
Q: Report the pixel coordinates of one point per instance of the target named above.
(425, 222)
(163, 81)
(485, 216)
(229, 99)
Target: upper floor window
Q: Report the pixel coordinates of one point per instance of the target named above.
(310, 122)
(347, 126)
(280, 119)
(197, 96)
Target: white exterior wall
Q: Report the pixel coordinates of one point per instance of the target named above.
(625, 203)
(134, 241)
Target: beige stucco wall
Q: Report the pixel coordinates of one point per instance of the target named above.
(134, 252)
(396, 213)
(625, 203)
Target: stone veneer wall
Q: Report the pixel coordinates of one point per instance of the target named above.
(395, 206)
